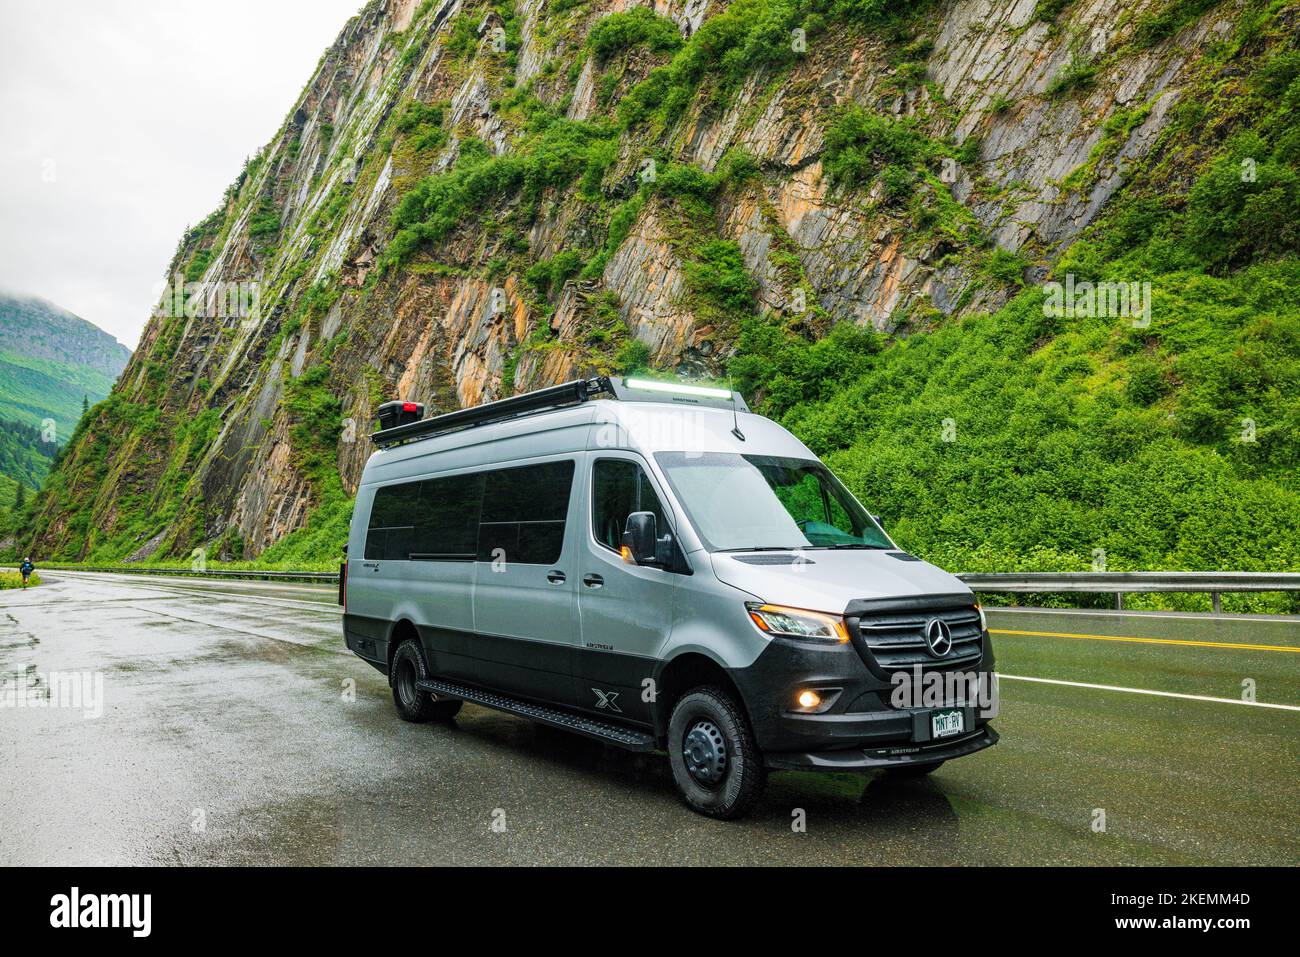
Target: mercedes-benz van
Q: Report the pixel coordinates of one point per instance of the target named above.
(652, 565)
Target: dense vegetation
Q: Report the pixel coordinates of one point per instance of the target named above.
(25, 455)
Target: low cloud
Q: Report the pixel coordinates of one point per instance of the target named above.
(123, 121)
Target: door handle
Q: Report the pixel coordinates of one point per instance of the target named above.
(592, 581)
(555, 577)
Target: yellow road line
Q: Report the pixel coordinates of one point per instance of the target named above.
(1148, 641)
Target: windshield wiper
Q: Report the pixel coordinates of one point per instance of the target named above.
(844, 545)
(764, 548)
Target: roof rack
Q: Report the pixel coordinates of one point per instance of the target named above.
(559, 396)
(570, 393)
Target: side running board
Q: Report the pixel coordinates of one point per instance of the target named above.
(628, 738)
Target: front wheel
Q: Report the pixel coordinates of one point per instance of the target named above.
(716, 763)
(412, 703)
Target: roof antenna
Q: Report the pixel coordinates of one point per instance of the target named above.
(735, 414)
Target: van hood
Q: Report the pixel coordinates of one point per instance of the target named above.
(828, 580)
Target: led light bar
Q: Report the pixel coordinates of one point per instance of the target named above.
(704, 391)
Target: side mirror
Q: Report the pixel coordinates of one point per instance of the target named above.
(879, 520)
(641, 538)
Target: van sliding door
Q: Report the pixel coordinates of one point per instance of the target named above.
(525, 576)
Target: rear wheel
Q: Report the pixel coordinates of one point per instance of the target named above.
(716, 763)
(412, 703)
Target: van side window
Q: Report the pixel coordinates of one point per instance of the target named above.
(431, 520)
(524, 510)
(447, 525)
(392, 521)
(618, 489)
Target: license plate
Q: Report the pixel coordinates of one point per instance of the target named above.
(944, 724)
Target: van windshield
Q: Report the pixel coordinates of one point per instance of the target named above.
(762, 502)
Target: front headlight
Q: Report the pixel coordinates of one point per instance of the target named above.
(984, 621)
(798, 623)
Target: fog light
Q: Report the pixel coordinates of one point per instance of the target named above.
(809, 699)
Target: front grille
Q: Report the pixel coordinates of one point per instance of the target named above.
(894, 637)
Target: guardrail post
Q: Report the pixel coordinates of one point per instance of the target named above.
(1217, 601)
(1119, 601)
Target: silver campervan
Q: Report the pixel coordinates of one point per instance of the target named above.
(653, 565)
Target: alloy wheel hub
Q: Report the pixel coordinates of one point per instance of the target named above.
(705, 751)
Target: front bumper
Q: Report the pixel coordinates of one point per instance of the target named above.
(862, 722)
(870, 759)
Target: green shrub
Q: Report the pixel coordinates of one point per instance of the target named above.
(1049, 10)
(1152, 26)
(1233, 220)
(749, 35)
(720, 281)
(621, 31)
(1006, 267)
(684, 179)
(897, 181)
(548, 275)
(1278, 74)
(462, 39)
(860, 142)
(632, 356)
(1077, 74)
(422, 122)
(1146, 382)
(265, 221)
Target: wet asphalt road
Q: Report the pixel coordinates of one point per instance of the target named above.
(236, 730)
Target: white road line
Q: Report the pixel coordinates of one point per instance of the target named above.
(1161, 694)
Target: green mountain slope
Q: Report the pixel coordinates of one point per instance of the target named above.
(52, 360)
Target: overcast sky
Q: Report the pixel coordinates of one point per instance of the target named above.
(122, 122)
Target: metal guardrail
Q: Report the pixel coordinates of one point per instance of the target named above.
(250, 574)
(1119, 583)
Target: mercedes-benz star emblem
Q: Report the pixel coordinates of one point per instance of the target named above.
(938, 636)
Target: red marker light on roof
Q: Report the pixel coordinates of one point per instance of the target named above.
(409, 407)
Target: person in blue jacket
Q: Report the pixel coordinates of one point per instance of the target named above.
(25, 569)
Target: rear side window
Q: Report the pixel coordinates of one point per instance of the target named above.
(619, 488)
(432, 520)
(392, 521)
(524, 511)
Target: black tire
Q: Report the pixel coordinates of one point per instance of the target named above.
(716, 764)
(413, 704)
(913, 770)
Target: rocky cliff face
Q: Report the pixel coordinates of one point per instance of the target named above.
(471, 199)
